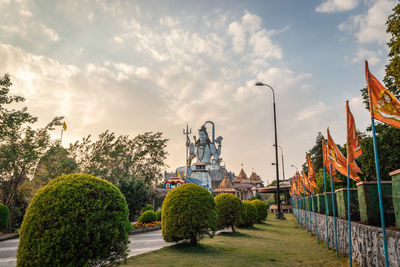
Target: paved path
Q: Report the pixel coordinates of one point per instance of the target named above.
(140, 243)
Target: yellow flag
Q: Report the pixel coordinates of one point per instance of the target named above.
(64, 126)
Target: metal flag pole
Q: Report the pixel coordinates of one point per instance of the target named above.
(313, 208)
(333, 209)
(326, 210)
(305, 210)
(378, 175)
(349, 213)
(378, 178)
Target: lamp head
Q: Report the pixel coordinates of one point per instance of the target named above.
(259, 84)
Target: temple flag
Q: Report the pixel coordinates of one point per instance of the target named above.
(64, 126)
(384, 106)
(339, 161)
(353, 142)
(326, 161)
(311, 173)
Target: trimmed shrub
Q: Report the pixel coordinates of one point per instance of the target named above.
(262, 209)
(3, 216)
(188, 213)
(229, 210)
(147, 217)
(249, 216)
(147, 207)
(75, 220)
(158, 215)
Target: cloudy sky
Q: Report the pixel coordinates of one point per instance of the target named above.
(137, 66)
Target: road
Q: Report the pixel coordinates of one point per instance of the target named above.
(139, 244)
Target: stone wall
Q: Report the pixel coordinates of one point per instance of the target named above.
(366, 241)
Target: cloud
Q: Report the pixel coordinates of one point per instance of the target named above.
(331, 6)
(370, 27)
(50, 33)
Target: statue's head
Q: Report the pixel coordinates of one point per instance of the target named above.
(203, 136)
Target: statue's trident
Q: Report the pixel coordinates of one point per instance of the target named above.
(187, 132)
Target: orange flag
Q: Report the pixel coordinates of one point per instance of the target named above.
(311, 173)
(339, 161)
(326, 161)
(384, 106)
(353, 142)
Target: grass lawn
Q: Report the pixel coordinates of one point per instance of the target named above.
(273, 243)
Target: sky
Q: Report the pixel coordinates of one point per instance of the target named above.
(137, 66)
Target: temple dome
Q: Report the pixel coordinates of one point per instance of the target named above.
(254, 177)
(242, 175)
(225, 186)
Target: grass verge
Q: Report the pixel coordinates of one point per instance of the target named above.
(273, 243)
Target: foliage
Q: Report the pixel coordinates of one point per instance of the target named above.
(21, 146)
(257, 196)
(147, 207)
(139, 225)
(229, 210)
(118, 158)
(147, 216)
(158, 215)
(315, 153)
(75, 220)
(3, 216)
(188, 213)
(53, 163)
(392, 77)
(250, 214)
(388, 142)
(262, 209)
(136, 194)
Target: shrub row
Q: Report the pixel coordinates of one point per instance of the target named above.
(189, 212)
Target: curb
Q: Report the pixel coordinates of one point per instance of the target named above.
(144, 230)
(8, 236)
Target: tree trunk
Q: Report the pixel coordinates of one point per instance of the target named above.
(193, 240)
(233, 228)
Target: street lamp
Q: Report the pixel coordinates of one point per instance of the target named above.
(283, 164)
(279, 214)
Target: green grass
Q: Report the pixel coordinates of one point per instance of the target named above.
(273, 243)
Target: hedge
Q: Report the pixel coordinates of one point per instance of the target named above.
(229, 210)
(262, 209)
(147, 217)
(75, 220)
(158, 215)
(147, 207)
(188, 213)
(250, 214)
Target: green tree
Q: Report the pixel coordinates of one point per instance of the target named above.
(136, 194)
(229, 210)
(117, 158)
(21, 146)
(392, 77)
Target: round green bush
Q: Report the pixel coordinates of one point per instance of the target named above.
(188, 213)
(147, 217)
(147, 207)
(229, 210)
(75, 220)
(3, 216)
(262, 209)
(158, 215)
(249, 216)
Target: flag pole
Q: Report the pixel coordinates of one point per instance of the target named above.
(62, 130)
(349, 212)
(333, 209)
(326, 210)
(378, 178)
(378, 175)
(305, 210)
(315, 216)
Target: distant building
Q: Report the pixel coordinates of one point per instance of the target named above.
(225, 187)
(247, 188)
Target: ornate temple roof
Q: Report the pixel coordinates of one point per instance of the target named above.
(242, 175)
(225, 186)
(254, 177)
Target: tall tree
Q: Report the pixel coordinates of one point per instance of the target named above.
(392, 77)
(117, 158)
(21, 146)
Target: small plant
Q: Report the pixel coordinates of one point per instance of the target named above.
(229, 210)
(262, 210)
(250, 214)
(188, 213)
(147, 217)
(3, 216)
(147, 207)
(158, 215)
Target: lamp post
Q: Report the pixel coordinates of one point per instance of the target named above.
(283, 164)
(279, 214)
